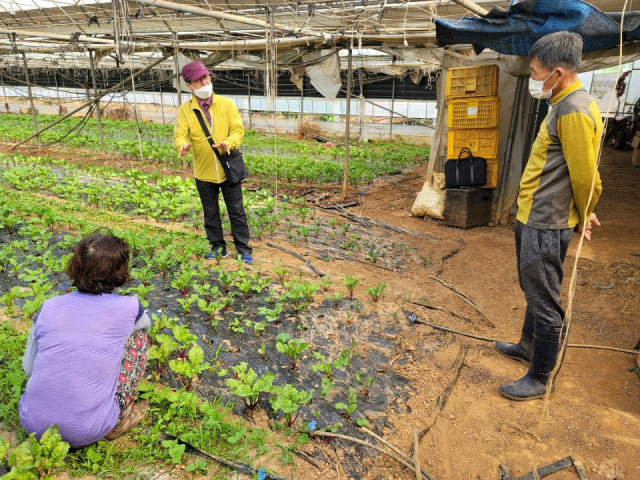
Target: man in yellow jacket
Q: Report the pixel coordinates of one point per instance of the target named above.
(225, 126)
(554, 201)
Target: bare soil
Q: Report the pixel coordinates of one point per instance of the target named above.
(470, 430)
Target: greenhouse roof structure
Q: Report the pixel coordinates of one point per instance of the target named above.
(219, 25)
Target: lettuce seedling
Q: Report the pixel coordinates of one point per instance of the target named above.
(291, 348)
(290, 400)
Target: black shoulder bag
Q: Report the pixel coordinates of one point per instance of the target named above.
(232, 162)
(469, 171)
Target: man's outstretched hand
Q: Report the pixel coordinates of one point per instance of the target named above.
(593, 220)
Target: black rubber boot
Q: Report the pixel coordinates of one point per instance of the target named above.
(522, 350)
(546, 345)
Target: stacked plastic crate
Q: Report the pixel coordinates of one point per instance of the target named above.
(473, 113)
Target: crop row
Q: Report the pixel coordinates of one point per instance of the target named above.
(266, 157)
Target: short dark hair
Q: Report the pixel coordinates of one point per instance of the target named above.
(558, 49)
(100, 262)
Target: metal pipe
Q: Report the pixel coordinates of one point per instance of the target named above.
(57, 36)
(33, 108)
(348, 121)
(227, 16)
(95, 91)
(100, 95)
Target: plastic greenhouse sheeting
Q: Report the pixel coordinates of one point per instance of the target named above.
(515, 30)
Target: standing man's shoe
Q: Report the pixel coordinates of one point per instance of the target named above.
(514, 350)
(247, 258)
(546, 346)
(220, 252)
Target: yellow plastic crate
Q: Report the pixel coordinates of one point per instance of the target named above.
(481, 81)
(492, 173)
(473, 112)
(483, 142)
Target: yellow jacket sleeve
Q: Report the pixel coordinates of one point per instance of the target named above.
(580, 145)
(181, 134)
(236, 130)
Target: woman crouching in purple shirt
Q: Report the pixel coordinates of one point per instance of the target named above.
(87, 350)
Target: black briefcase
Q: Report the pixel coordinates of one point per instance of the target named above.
(466, 171)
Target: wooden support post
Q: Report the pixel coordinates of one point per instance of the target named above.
(162, 103)
(97, 104)
(393, 104)
(348, 120)
(177, 68)
(33, 108)
(363, 134)
(249, 88)
(4, 93)
(301, 117)
(55, 79)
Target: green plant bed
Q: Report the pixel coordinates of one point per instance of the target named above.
(292, 160)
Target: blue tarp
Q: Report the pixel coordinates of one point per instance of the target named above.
(515, 30)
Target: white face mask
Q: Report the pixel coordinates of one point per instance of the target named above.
(536, 88)
(204, 92)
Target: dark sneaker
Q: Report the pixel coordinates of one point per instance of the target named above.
(247, 258)
(220, 252)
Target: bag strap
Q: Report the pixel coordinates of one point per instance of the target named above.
(465, 150)
(207, 133)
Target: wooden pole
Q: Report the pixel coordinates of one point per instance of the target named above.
(249, 88)
(177, 67)
(348, 119)
(33, 108)
(55, 79)
(363, 134)
(393, 104)
(416, 458)
(100, 95)
(95, 91)
(301, 117)
(472, 7)
(162, 103)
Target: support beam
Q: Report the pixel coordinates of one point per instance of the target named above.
(301, 117)
(33, 108)
(229, 17)
(100, 95)
(348, 121)
(56, 36)
(95, 92)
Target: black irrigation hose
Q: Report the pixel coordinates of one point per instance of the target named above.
(241, 467)
(487, 339)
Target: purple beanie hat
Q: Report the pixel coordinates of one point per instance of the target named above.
(194, 70)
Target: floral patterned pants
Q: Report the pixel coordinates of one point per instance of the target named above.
(134, 362)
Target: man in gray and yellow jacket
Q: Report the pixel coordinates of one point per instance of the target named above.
(225, 125)
(554, 201)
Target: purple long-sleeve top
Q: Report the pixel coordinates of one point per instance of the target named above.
(78, 340)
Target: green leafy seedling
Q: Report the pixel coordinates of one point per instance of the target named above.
(248, 385)
(291, 348)
(290, 400)
(37, 459)
(350, 282)
(352, 403)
